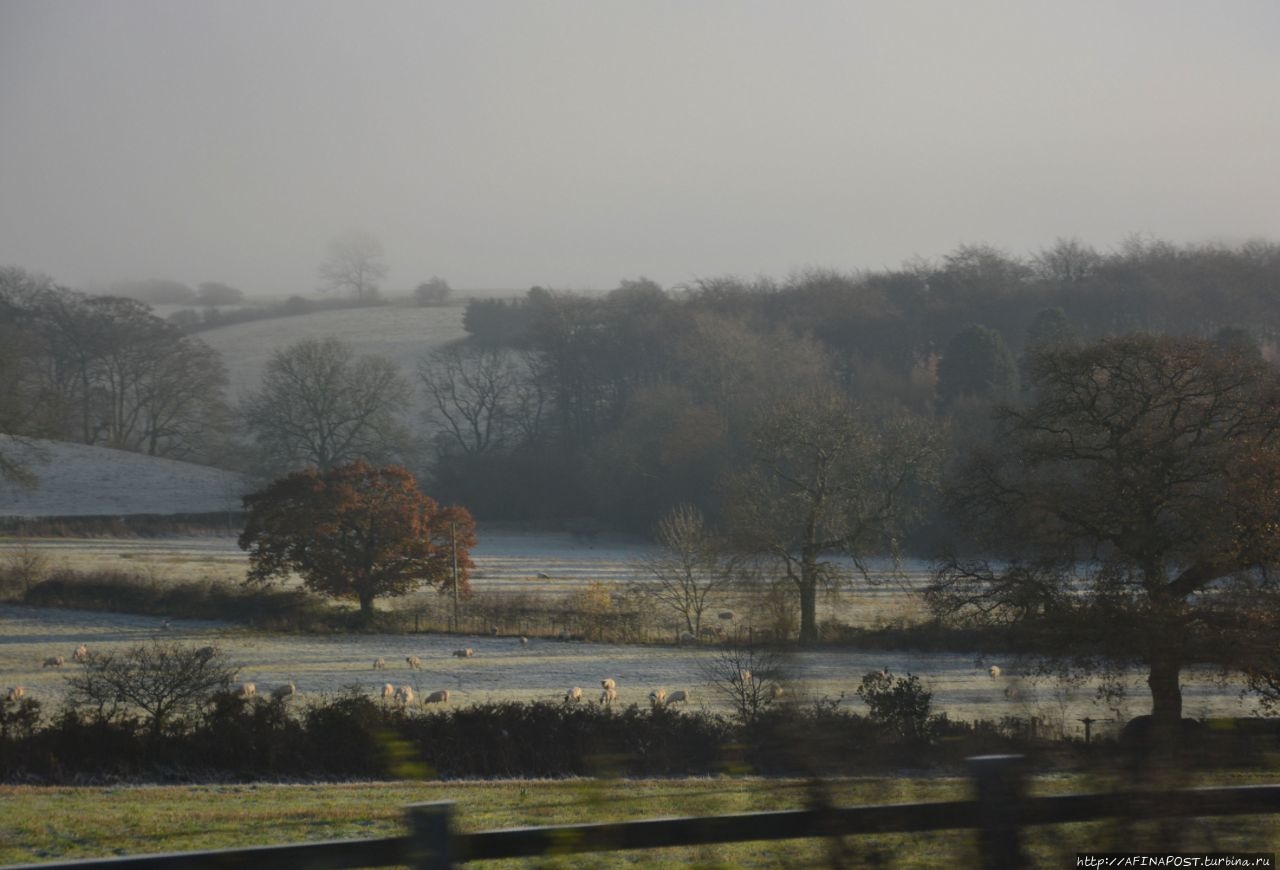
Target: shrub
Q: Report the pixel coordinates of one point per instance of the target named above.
(899, 703)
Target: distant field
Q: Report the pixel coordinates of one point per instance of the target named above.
(401, 333)
(79, 480)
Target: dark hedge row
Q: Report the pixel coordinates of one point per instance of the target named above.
(354, 736)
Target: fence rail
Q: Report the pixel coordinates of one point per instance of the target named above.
(998, 813)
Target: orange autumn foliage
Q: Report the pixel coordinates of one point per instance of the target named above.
(356, 532)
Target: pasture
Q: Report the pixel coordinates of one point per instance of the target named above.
(402, 333)
(68, 823)
(508, 565)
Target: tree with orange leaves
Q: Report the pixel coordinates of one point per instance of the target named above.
(356, 532)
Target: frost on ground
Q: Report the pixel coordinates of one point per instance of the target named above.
(503, 669)
(401, 334)
(79, 480)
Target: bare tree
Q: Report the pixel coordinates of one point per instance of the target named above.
(167, 682)
(828, 479)
(321, 405)
(750, 679)
(691, 566)
(355, 263)
(475, 395)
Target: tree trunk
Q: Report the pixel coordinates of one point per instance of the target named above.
(1166, 696)
(366, 604)
(808, 608)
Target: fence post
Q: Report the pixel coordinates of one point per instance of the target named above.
(430, 829)
(1000, 785)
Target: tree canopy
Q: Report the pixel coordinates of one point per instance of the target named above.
(1139, 489)
(356, 532)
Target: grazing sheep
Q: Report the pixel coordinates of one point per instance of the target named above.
(657, 697)
(573, 696)
(248, 690)
(686, 637)
(15, 693)
(464, 653)
(679, 696)
(609, 695)
(607, 683)
(283, 693)
(379, 664)
(994, 671)
(710, 631)
(440, 697)
(404, 695)
(388, 691)
(524, 641)
(726, 615)
(81, 653)
(775, 691)
(54, 662)
(415, 663)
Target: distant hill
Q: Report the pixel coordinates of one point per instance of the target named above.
(78, 480)
(400, 333)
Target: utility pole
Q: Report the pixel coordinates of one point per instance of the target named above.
(453, 543)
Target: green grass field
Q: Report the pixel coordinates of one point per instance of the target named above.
(42, 824)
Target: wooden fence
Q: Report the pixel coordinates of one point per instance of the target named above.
(998, 812)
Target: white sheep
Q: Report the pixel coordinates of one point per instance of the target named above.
(524, 641)
(248, 690)
(464, 653)
(415, 663)
(81, 653)
(657, 697)
(379, 664)
(283, 693)
(440, 697)
(608, 696)
(404, 695)
(573, 696)
(54, 662)
(388, 691)
(679, 696)
(994, 671)
(687, 637)
(15, 693)
(607, 683)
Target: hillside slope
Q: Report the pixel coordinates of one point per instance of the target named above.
(400, 333)
(78, 480)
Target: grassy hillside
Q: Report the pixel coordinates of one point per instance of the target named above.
(399, 332)
(78, 480)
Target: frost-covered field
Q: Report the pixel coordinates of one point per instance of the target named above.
(79, 480)
(504, 669)
(400, 333)
(511, 562)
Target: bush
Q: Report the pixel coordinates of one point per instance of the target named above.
(899, 703)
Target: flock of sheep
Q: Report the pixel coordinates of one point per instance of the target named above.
(404, 695)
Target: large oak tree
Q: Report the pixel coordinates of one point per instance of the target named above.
(356, 532)
(1135, 498)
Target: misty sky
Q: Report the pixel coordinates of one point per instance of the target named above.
(573, 144)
